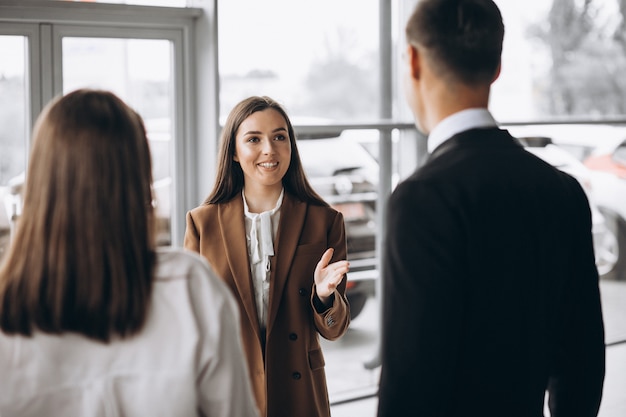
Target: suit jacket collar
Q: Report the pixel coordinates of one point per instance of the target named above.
(472, 118)
(476, 138)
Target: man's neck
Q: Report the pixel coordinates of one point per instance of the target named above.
(448, 100)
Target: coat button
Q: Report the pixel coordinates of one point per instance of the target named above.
(296, 375)
(302, 292)
(293, 336)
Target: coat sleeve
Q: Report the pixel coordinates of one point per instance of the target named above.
(334, 321)
(577, 376)
(223, 382)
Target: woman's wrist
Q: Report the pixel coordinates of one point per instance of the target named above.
(323, 303)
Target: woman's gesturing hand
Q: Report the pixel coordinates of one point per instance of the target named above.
(328, 276)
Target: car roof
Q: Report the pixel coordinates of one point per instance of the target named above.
(325, 157)
(589, 135)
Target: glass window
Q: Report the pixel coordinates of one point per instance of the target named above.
(139, 71)
(562, 59)
(13, 105)
(319, 59)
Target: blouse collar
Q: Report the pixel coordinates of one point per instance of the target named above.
(261, 232)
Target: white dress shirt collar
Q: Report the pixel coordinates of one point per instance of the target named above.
(459, 122)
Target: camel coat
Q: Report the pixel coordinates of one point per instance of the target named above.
(290, 380)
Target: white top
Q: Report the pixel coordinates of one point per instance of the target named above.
(187, 361)
(457, 123)
(261, 229)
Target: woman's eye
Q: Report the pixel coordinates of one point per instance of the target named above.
(253, 139)
(280, 137)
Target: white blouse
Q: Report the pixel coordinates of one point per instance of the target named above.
(261, 231)
(186, 361)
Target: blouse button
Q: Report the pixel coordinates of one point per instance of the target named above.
(296, 375)
(293, 336)
(302, 292)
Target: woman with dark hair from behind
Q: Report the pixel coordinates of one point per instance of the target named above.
(94, 319)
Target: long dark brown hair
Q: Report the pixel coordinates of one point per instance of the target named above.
(229, 180)
(83, 255)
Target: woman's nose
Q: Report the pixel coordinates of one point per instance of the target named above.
(268, 146)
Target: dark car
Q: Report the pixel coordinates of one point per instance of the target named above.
(346, 176)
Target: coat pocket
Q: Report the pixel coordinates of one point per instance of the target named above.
(316, 359)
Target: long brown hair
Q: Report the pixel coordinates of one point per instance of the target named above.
(83, 255)
(229, 179)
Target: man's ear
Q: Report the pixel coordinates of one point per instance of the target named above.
(497, 73)
(413, 58)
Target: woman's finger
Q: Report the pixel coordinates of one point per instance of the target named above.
(326, 257)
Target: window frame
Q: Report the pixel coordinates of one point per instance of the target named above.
(45, 24)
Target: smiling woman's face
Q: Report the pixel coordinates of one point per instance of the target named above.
(263, 149)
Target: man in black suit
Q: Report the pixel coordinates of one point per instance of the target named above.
(490, 294)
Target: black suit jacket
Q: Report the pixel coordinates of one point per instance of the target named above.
(491, 291)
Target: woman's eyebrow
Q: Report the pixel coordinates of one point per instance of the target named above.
(257, 132)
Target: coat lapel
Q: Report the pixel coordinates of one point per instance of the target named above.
(292, 215)
(232, 223)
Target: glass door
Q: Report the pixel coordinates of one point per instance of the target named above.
(140, 72)
(14, 118)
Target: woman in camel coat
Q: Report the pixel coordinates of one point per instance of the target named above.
(281, 249)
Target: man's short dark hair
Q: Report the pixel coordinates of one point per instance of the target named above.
(462, 38)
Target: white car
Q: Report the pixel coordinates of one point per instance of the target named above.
(10, 208)
(602, 149)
